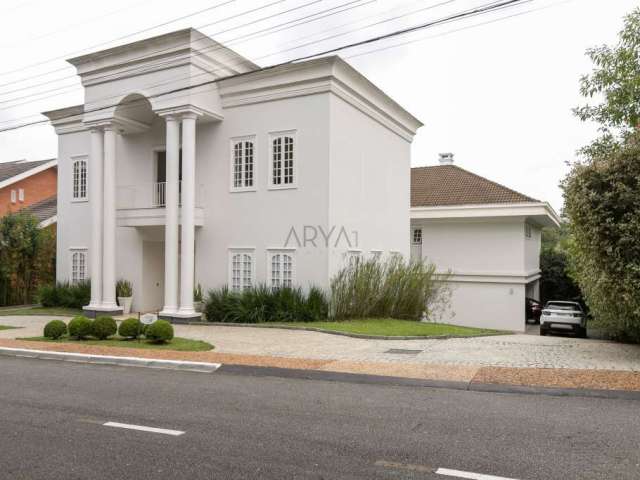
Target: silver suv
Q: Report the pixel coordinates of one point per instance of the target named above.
(563, 316)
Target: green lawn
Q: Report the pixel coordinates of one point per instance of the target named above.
(391, 327)
(180, 344)
(6, 327)
(53, 311)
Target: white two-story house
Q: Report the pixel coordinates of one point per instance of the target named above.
(188, 164)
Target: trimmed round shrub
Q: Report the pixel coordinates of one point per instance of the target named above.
(80, 327)
(130, 328)
(159, 331)
(55, 329)
(104, 327)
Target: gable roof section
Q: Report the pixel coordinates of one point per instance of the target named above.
(44, 210)
(11, 172)
(444, 185)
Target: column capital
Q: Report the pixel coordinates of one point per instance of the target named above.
(102, 125)
(180, 113)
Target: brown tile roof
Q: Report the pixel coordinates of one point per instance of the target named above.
(11, 169)
(451, 185)
(44, 209)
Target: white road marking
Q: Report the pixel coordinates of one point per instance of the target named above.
(142, 428)
(471, 475)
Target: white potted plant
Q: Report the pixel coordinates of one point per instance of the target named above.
(124, 293)
(197, 298)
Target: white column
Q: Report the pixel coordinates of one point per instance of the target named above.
(188, 213)
(109, 234)
(95, 194)
(171, 217)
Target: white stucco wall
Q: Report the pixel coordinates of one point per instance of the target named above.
(352, 172)
(490, 261)
(369, 184)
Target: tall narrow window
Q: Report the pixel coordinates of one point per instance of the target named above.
(281, 269)
(417, 236)
(78, 265)
(13, 196)
(80, 180)
(283, 160)
(243, 165)
(241, 270)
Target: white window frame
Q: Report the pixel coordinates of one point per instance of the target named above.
(271, 253)
(232, 143)
(352, 254)
(14, 197)
(82, 252)
(21, 194)
(243, 284)
(272, 137)
(79, 159)
(413, 236)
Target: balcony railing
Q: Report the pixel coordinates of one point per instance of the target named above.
(149, 195)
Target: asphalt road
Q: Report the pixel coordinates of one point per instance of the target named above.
(244, 427)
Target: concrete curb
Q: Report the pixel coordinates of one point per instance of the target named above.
(343, 334)
(414, 382)
(111, 360)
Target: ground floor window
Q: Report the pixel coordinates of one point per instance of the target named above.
(78, 265)
(241, 269)
(417, 236)
(281, 267)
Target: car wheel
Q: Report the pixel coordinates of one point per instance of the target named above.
(582, 332)
(543, 331)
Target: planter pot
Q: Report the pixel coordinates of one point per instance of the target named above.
(125, 303)
(197, 306)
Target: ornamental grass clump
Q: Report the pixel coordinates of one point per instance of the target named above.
(261, 304)
(391, 288)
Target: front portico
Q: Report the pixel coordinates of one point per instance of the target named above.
(152, 88)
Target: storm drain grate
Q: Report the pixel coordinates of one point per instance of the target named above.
(403, 351)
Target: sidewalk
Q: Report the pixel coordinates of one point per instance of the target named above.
(515, 360)
(556, 378)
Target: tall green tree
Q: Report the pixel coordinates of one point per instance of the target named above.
(27, 254)
(602, 190)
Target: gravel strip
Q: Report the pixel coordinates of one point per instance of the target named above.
(560, 378)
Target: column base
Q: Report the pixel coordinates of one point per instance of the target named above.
(93, 311)
(177, 317)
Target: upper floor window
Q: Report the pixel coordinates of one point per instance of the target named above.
(243, 163)
(80, 179)
(527, 230)
(283, 171)
(417, 236)
(78, 265)
(281, 269)
(241, 269)
(14, 197)
(21, 194)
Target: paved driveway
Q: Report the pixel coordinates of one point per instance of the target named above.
(518, 350)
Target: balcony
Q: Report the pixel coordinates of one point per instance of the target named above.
(143, 204)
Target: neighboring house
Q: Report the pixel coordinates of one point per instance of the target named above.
(210, 170)
(31, 186)
(486, 235)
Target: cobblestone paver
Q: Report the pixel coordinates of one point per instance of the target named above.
(518, 350)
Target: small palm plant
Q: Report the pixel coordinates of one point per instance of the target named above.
(124, 293)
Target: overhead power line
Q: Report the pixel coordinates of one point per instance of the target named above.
(240, 39)
(454, 17)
